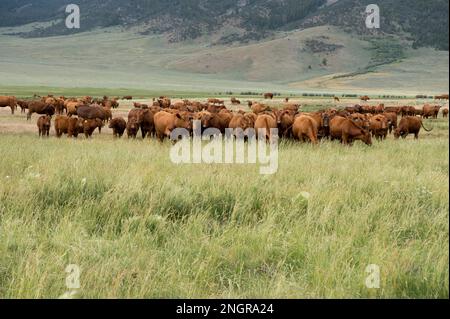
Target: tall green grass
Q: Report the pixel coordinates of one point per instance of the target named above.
(141, 227)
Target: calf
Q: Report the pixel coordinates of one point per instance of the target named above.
(118, 125)
(44, 123)
(90, 125)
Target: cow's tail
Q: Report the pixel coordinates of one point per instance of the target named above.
(428, 130)
(267, 128)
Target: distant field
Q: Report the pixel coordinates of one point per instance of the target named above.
(114, 58)
(139, 226)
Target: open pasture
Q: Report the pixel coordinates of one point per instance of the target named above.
(139, 226)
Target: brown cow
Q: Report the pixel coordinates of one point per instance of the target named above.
(285, 121)
(214, 108)
(140, 105)
(44, 123)
(220, 120)
(410, 125)
(40, 107)
(441, 97)
(180, 106)
(348, 131)
(93, 112)
(428, 111)
(204, 117)
(72, 106)
(392, 109)
(437, 108)
(50, 100)
(132, 127)
(392, 121)
(266, 122)
(196, 106)
(322, 120)
(268, 96)
(86, 100)
(23, 105)
(242, 121)
(166, 122)
(75, 127)
(259, 108)
(408, 111)
(445, 113)
(360, 119)
(118, 125)
(89, 126)
(292, 107)
(367, 109)
(147, 122)
(215, 101)
(144, 118)
(71, 126)
(163, 102)
(59, 105)
(305, 128)
(114, 104)
(378, 126)
(364, 98)
(379, 109)
(354, 109)
(235, 101)
(9, 101)
(418, 112)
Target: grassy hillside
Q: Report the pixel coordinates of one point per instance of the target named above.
(113, 58)
(139, 226)
(423, 70)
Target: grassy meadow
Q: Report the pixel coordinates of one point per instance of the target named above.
(139, 226)
(116, 58)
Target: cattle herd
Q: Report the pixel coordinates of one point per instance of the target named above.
(74, 116)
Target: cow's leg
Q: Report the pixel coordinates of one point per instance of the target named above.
(345, 139)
